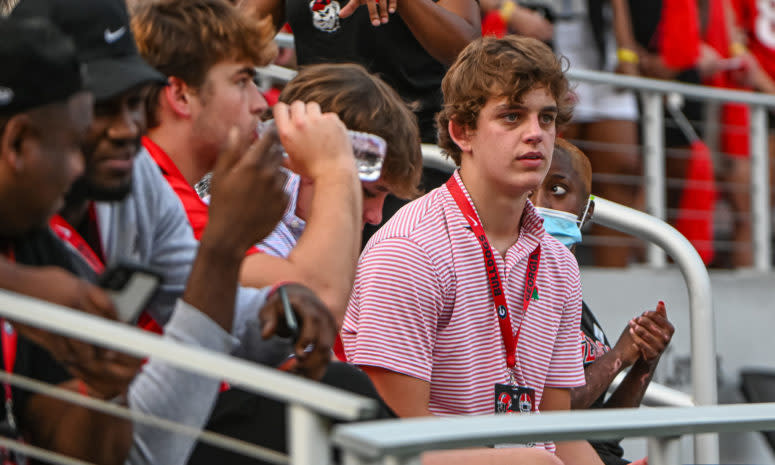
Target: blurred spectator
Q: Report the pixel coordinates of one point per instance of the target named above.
(297, 249)
(566, 189)
(669, 46)
(501, 17)
(319, 231)
(408, 43)
(595, 35)
(139, 218)
(741, 32)
(41, 125)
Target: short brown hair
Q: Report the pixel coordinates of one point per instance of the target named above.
(365, 103)
(186, 38)
(490, 67)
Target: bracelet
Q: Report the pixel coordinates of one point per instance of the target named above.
(625, 55)
(737, 49)
(507, 10)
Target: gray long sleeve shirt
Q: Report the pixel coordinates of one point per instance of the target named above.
(150, 227)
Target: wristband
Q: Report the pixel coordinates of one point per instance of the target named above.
(625, 55)
(737, 49)
(507, 10)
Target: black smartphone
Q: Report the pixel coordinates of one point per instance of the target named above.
(131, 286)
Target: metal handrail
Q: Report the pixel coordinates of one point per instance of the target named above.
(400, 441)
(694, 91)
(309, 401)
(276, 384)
(703, 346)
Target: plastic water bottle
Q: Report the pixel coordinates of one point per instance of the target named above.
(369, 149)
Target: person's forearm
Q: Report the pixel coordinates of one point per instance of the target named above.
(630, 393)
(327, 252)
(763, 83)
(77, 431)
(577, 453)
(443, 33)
(176, 394)
(599, 376)
(623, 25)
(212, 284)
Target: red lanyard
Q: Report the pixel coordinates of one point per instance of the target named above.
(67, 233)
(9, 354)
(493, 277)
(8, 339)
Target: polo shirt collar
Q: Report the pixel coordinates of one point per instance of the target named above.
(531, 230)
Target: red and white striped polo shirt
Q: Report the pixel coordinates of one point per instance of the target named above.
(422, 306)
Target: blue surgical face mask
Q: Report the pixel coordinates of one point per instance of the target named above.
(563, 226)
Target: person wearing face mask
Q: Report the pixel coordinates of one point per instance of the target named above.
(564, 202)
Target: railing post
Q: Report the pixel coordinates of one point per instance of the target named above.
(665, 451)
(308, 442)
(654, 166)
(760, 189)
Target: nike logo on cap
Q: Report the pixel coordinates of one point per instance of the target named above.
(112, 36)
(6, 96)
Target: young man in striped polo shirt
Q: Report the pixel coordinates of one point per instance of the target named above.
(462, 304)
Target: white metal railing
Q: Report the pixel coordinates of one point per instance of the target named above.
(310, 403)
(398, 442)
(652, 92)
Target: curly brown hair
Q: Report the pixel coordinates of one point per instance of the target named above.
(366, 103)
(493, 68)
(186, 38)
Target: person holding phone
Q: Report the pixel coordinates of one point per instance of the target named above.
(40, 157)
(122, 209)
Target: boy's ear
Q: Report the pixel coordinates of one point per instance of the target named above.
(177, 95)
(461, 135)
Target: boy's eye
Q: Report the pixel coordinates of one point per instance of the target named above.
(559, 190)
(511, 117)
(547, 118)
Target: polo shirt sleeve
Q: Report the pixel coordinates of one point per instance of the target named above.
(392, 316)
(567, 369)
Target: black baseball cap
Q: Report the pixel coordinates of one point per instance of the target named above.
(103, 39)
(38, 65)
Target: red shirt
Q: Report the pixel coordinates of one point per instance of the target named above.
(196, 210)
(757, 19)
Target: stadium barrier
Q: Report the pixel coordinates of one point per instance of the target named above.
(400, 442)
(311, 403)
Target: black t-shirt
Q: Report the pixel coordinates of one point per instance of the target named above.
(596, 344)
(389, 50)
(38, 249)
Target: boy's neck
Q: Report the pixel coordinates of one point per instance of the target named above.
(500, 213)
(180, 152)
